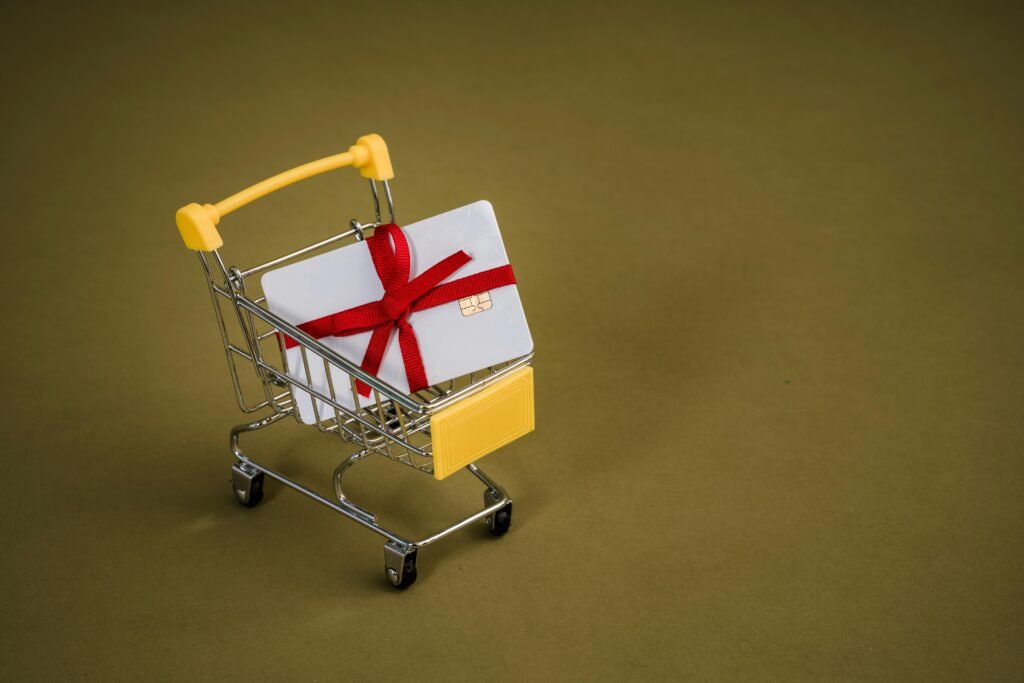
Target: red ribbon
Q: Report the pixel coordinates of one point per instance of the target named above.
(390, 253)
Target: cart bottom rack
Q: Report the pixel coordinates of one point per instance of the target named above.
(248, 478)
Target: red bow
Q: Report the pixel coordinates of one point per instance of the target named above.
(401, 298)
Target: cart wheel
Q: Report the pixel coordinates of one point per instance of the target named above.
(499, 522)
(247, 483)
(399, 567)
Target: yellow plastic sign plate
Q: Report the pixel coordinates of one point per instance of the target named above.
(475, 426)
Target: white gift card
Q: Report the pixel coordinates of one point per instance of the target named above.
(455, 338)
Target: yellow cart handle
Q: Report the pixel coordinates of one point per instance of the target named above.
(197, 222)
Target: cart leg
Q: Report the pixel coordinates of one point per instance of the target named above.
(399, 564)
(247, 483)
(340, 493)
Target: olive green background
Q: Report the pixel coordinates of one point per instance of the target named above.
(772, 262)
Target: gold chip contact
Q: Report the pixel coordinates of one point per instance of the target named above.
(478, 303)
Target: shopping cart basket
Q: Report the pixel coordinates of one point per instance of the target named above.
(438, 430)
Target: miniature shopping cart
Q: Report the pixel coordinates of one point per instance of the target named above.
(438, 430)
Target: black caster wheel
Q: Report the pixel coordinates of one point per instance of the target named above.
(500, 521)
(247, 484)
(399, 569)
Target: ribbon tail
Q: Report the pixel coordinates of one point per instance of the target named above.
(374, 355)
(414, 370)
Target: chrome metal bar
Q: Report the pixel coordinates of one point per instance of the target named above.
(299, 252)
(340, 493)
(334, 394)
(249, 330)
(391, 202)
(352, 416)
(376, 199)
(502, 502)
(239, 454)
(219, 314)
(487, 481)
(309, 381)
(369, 523)
(358, 407)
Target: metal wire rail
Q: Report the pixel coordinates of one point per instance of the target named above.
(393, 425)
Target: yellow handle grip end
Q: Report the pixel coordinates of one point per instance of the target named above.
(370, 156)
(197, 225)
